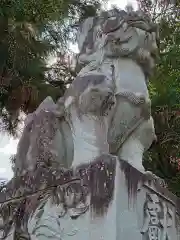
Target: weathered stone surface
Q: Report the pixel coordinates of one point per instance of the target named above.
(68, 185)
(86, 204)
(123, 49)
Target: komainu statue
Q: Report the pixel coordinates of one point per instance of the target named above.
(107, 109)
(117, 55)
(104, 115)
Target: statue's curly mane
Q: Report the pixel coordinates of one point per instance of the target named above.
(117, 31)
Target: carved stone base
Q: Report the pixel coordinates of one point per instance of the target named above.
(139, 207)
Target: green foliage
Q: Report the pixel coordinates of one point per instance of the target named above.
(29, 32)
(164, 156)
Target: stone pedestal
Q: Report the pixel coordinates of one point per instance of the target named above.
(140, 209)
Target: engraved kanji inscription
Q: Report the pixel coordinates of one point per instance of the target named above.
(158, 218)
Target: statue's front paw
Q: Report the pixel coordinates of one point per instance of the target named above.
(157, 179)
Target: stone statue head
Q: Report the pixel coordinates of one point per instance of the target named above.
(118, 33)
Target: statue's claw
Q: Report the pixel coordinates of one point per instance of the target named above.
(156, 178)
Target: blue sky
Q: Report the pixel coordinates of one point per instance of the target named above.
(8, 145)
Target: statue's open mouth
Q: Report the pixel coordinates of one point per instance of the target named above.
(119, 40)
(141, 25)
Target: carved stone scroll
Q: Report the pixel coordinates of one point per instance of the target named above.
(157, 219)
